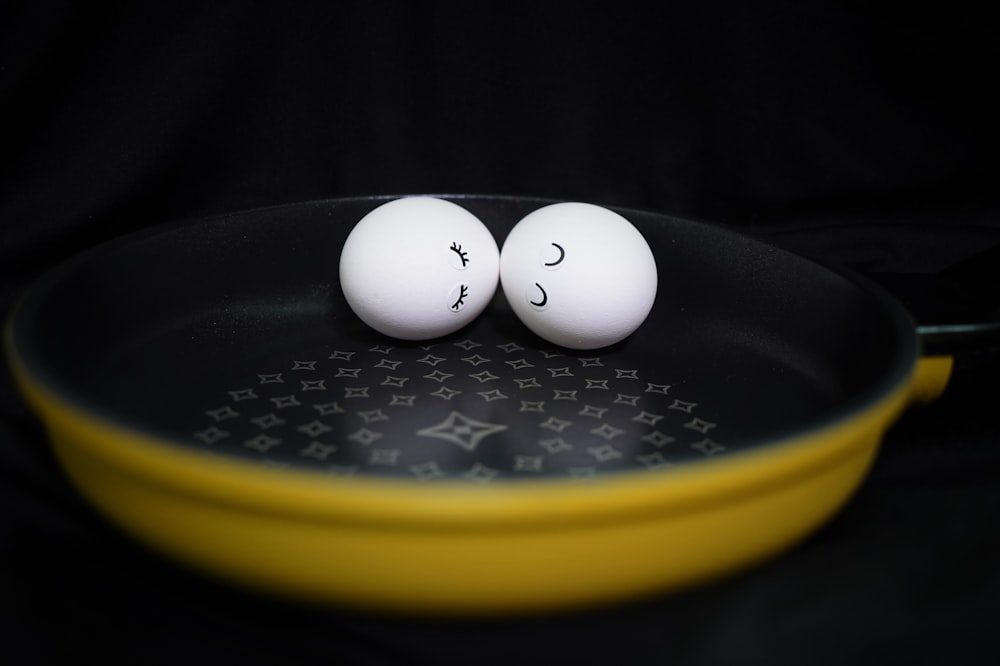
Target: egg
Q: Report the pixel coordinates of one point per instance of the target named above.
(578, 275)
(419, 267)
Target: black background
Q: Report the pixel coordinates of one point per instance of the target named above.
(864, 133)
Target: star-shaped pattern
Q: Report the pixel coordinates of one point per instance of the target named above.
(445, 392)
(481, 473)
(262, 443)
(373, 415)
(604, 453)
(653, 460)
(318, 450)
(528, 463)
(708, 447)
(657, 439)
(461, 430)
(647, 418)
(284, 401)
(699, 425)
(364, 436)
(593, 412)
(384, 456)
(313, 384)
(266, 421)
(222, 413)
(558, 425)
(243, 394)
(484, 376)
(604, 414)
(211, 435)
(427, 470)
(438, 376)
(555, 445)
(314, 428)
(607, 431)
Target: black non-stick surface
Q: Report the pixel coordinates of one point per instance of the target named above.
(232, 335)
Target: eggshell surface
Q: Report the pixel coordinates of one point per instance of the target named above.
(418, 268)
(578, 275)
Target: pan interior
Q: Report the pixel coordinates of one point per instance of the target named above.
(232, 335)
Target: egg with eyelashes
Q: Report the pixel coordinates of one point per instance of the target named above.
(578, 275)
(418, 268)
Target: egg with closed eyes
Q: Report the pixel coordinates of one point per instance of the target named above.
(578, 275)
(418, 268)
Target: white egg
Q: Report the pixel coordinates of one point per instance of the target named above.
(418, 268)
(579, 275)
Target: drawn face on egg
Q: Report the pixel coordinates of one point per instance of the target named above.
(556, 253)
(578, 275)
(418, 268)
(460, 292)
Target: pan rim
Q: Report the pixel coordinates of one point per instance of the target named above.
(309, 495)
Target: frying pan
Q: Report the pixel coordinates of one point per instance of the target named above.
(206, 387)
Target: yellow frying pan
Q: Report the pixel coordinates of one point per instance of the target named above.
(207, 388)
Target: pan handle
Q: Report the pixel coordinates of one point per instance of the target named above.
(957, 310)
(931, 378)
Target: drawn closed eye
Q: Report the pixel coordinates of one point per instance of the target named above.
(543, 301)
(559, 259)
(463, 292)
(462, 255)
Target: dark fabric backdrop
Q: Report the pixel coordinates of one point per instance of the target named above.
(864, 133)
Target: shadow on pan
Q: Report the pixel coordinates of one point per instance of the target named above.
(206, 387)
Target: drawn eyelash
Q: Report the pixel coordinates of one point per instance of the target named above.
(463, 291)
(464, 256)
